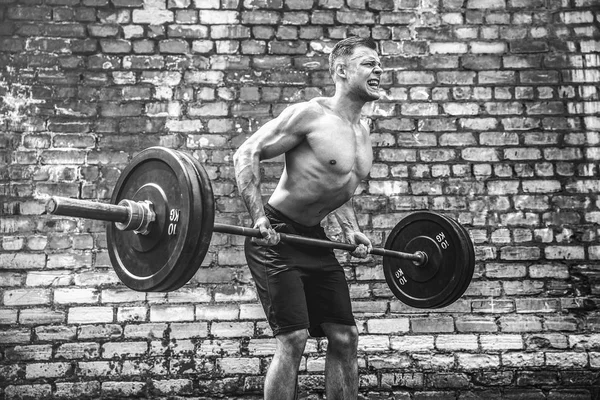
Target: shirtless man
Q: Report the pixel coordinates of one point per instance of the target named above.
(327, 153)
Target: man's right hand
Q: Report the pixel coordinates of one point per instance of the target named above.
(270, 236)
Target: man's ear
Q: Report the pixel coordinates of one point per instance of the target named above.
(340, 69)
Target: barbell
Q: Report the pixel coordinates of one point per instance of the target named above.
(162, 212)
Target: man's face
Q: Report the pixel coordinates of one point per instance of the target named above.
(364, 73)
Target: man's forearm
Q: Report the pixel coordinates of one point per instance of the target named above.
(346, 217)
(247, 174)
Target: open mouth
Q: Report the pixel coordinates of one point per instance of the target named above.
(373, 83)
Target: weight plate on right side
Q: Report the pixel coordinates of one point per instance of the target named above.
(466, 278)
(432, 284)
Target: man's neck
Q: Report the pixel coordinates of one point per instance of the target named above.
(347, 107)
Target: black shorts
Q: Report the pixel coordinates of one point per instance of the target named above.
(300, 287)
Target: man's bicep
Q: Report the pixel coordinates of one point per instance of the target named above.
(280, 134)
(275, 139)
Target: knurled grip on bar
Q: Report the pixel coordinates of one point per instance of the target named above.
(419, 257)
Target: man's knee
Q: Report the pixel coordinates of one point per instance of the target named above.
(343, 338)
(292, 343)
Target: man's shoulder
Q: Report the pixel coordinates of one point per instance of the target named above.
(365, 122)
(315, 105)
(303, 112)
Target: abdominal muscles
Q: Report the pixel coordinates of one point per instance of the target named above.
(308, 195)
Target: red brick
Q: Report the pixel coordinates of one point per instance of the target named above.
(260, 17)
(168, 387)
(126, 389)
(152, 16)
(537, 305)
(448, 48)
(33, 391)
(355, 17)
(69, 351)
(432, 324)
(476, 324)
(29, 13)
(414, 77)
(117, 46)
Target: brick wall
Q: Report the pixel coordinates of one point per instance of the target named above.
(490, 115)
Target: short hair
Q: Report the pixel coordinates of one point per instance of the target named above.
(345, 48)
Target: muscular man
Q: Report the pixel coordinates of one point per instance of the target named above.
(327, 153)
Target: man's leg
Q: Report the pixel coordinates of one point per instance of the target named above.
(282, 376)
(341, 363)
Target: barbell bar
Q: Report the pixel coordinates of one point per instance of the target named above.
(162, 212)
(127, 216)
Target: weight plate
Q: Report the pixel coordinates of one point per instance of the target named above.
(206, 223)
(461, 269)
(147, 262)
(468, 267)
(470, 263)
(180, 274)
(432, 284)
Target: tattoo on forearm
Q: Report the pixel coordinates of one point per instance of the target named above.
(248, 180)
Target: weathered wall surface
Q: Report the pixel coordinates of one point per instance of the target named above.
(490, 115)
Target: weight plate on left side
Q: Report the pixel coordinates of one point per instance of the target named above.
(147, 262)
(434, 283)
(203, 195)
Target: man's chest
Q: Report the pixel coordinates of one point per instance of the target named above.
(341, 148)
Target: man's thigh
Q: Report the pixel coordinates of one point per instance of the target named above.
(328, 300)
(280, 289)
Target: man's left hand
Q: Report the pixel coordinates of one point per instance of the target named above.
(364, 246)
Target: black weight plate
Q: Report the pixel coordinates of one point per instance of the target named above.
(462, 269)
(468, 268)
(206, 224)
(429, 285)
(145, 262)
(470, 261)
(180, 273)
